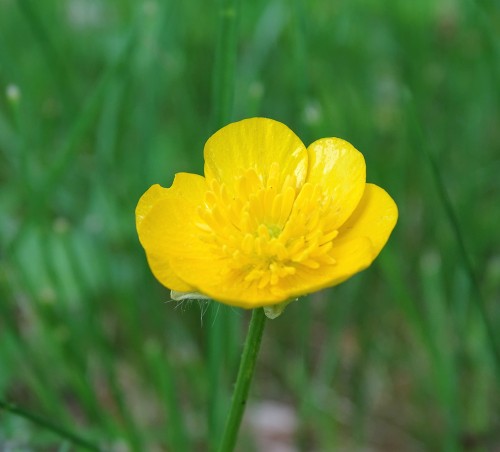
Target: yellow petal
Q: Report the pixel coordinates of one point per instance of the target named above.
(339, 169)
(152, 216)
(162, 271)
(374, 218)
(172, 236)
(148, 200)
(351, 257)
(205, 274)
(256, 143)
(186, 185)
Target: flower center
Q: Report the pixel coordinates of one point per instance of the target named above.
(267, 229)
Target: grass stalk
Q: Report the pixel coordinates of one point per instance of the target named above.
(223, 99)
(452, 217)
(225, 62)
(55, 63)
(48, 425)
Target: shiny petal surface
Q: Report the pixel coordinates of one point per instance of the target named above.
(206, 275)
(255, 143)
(154, 194)
(188, 191)
(340, 170)
(189, 186)
(160, 267)
(173, 223)
(374, 218)
(351, 257)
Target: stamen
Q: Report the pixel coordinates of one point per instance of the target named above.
(247, 244)
(267, 230)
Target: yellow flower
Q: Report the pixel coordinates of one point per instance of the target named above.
(270, 221)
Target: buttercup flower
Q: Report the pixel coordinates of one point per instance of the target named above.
(270, 221)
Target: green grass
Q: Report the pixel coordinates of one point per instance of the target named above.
(116, 96)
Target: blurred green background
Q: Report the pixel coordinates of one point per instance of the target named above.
(100, 99)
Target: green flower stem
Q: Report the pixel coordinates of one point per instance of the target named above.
(243, 381)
